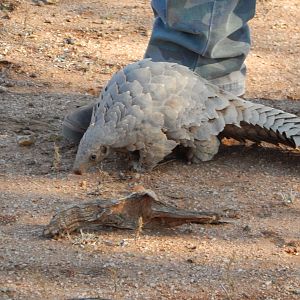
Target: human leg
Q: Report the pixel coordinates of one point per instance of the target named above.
(210, 37)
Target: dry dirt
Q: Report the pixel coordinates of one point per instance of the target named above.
(56, 55)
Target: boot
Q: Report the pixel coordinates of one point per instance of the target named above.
(76, 123)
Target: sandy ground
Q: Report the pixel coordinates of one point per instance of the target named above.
(57, 56)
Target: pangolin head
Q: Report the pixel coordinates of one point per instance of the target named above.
(93, 148)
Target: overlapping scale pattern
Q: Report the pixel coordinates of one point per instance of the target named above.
(155, 106)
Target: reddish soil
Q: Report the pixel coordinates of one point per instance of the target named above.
(56, 56)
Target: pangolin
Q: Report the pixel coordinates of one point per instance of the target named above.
(148, 108)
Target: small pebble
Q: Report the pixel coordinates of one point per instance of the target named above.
(3, 89)
(83, 184)
(9, 84)
(247, 228)
(296, 291)
(69, 41)
(25, 140)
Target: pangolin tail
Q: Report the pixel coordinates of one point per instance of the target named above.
(257, 123)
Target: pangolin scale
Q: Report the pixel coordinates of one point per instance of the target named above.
(149, 108)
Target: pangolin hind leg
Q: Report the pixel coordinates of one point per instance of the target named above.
(203, 150)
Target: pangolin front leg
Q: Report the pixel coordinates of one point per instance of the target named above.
(153, 153)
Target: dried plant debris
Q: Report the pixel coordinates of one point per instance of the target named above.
(126, 213)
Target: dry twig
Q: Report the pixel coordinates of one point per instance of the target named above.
(136, 211)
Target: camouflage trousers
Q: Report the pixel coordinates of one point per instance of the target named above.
(210, 37)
